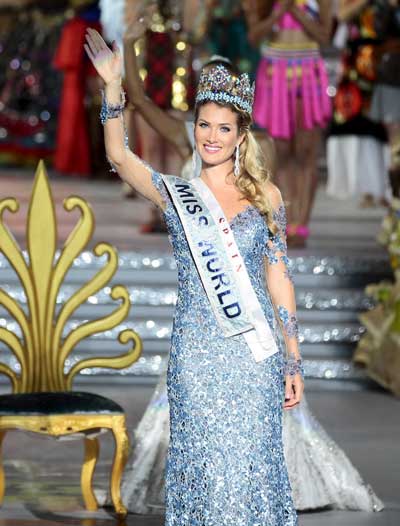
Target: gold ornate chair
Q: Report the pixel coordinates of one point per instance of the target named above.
(41, 399)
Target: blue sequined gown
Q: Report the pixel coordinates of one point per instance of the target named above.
(225, 463)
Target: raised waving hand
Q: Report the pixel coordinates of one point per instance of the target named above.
(108, 62)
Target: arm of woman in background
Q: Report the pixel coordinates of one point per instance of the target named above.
(259, 29)
(319, 30)
(281, 289)
(196, 17)
(171, 129)
(348, 9)
(130, 168)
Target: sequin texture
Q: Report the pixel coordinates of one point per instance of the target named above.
(293, 366)
(277, 242)
(225, 463)
(289, 321)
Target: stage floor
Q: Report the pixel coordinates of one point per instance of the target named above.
(42, 475)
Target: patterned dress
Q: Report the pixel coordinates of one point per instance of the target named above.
(225, 463)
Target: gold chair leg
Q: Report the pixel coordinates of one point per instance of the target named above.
(89, 465)
(120, 459)
(2, 477)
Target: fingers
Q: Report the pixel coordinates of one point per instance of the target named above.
(96, 39)
(294, 387)
(115, 47)
(289, 404)
(90, 47)
(288, 388)
(95, 45)
(91, 44)
(89, 52)
(289, 393)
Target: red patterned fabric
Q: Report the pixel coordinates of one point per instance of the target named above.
(160, 67)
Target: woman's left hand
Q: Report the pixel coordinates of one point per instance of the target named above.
(294, 387)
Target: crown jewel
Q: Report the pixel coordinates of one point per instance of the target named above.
(217, 84)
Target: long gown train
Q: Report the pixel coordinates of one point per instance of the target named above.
(320, 473)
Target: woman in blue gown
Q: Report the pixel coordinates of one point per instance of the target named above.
(225, 463)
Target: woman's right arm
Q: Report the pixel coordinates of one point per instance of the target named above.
(130, 168)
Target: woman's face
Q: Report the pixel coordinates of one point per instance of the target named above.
(216, 133)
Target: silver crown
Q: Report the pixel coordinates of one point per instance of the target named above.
(219, 85)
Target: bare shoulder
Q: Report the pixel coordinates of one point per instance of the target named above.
(274, 195)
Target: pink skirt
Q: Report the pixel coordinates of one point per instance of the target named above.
(284, 78)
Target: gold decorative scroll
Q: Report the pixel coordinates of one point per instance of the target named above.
(42, 350)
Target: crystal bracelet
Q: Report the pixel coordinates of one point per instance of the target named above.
(111, 111)
(293, 366)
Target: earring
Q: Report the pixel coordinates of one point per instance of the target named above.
(196, 163)
(236, 170)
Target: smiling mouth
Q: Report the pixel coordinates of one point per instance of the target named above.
(212, 149)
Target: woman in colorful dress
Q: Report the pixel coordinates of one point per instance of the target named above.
(356, 145)
(291, 100)
(228, 375)
(385, 104)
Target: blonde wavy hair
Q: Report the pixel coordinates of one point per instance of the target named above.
(255, 168)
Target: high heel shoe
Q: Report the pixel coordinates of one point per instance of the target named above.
(297, 235)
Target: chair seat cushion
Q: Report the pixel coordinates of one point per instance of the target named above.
(57, 404)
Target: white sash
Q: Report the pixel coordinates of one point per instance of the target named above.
(220, 265)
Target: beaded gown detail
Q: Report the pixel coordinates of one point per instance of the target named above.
(320, 473)
(225, 462)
